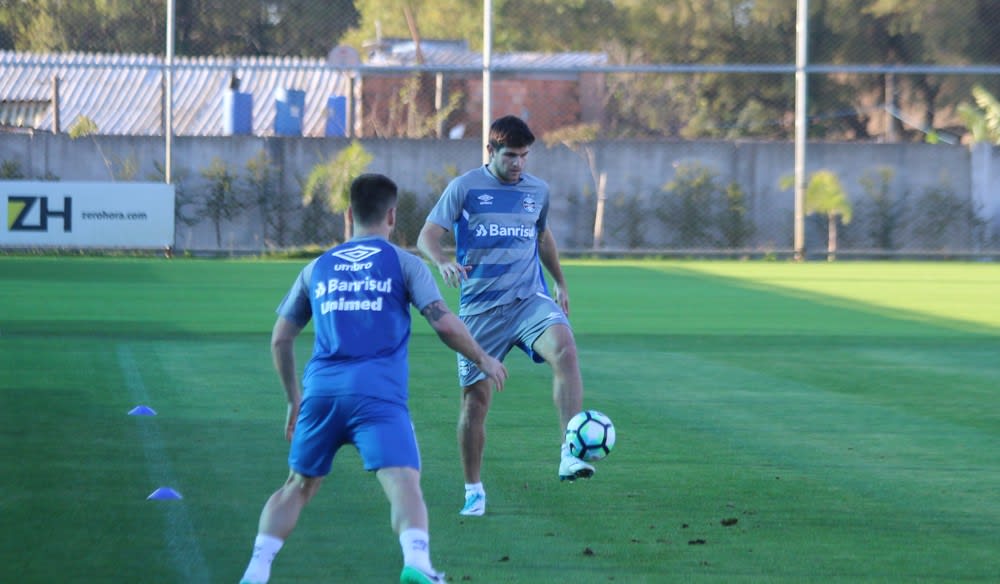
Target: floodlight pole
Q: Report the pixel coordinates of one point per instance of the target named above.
(487, 74)
(168, 98)
(801, 124)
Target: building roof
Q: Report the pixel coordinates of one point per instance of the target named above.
(123, 94)
(449, 53)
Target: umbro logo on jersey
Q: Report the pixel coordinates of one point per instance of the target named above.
(485, 199)
(356, 254)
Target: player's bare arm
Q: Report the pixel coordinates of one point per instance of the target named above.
(435, 311)
(429, 244)
(283, 354)
(453, 333)
(548, 253)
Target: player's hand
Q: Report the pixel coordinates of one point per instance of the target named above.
(562, 298)
(494, 370)
(452, 273)
(290, 418)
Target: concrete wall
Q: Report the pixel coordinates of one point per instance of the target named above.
(985, 177)
(636, 170)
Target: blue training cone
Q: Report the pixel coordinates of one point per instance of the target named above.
(142, 411)
(164, 493)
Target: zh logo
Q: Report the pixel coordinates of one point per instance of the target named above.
(20, 209)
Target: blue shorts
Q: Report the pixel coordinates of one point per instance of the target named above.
(380, 430)
(500, 329)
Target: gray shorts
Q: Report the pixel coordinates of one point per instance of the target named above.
(500, 329)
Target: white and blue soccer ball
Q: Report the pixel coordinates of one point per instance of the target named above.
(590, 435)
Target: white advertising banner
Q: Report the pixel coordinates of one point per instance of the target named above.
(137, 215)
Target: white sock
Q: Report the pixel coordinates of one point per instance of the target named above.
(474, 488)
(265, 547)
(565, 450)
(416, 549)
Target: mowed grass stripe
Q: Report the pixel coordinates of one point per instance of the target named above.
(963, 295)
(181, 540)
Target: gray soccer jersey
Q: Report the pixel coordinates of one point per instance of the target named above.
(496, 229)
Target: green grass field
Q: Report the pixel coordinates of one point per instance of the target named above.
(845, 415)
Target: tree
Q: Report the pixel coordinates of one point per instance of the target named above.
(691, 206)
(699, 105)
(736, 226)
(942, 219)
(903, 32)
(434, 19)
(11, 170)
(308, 28)
(983, 119)
(879, 209)
(579, 139)
(411, 113)
(518, 25)
(82, 25)
(264, 184)
(825, 196)
(223, 202)
(330, 182)
(184, 201)
(555, 25)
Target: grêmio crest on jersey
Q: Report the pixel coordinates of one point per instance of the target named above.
(528, 204)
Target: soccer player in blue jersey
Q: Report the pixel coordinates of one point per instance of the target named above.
(354, 388)
(499, 216)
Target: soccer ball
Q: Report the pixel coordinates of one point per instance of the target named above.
(590, 435)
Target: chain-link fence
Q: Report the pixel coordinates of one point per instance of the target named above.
(663, 125)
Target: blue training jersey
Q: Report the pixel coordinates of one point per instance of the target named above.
(358, 295)
(496, 227)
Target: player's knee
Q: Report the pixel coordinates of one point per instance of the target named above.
(302, 486)
(557, 345)
(475, 403)
(564, 356)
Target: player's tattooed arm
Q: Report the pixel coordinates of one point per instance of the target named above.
(454, 333)
(435, 311)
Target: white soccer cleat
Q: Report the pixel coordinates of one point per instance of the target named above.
(475, 504)
(413, 575)
(572, 468)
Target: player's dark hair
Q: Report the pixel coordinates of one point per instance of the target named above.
(510, 131)
(372, 195)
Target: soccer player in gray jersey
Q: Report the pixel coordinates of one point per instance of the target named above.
(498, 214)
(354, 388)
